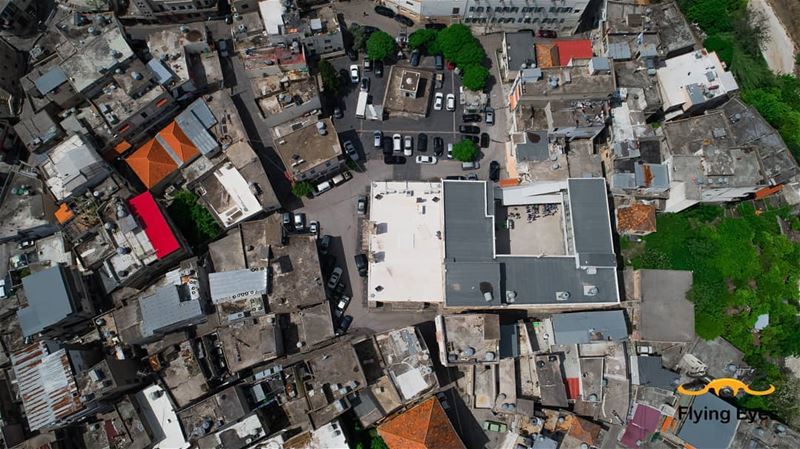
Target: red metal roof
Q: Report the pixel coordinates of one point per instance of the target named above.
(573, 387)
(150, 218)
(573, 49)
(645, 421)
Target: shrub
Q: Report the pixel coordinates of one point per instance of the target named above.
(465, 151)
(380, 46)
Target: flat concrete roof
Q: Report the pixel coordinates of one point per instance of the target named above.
(406, 244)
(666, 314)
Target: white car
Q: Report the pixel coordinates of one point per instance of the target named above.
(313, 227)
(397, 140)
(438, 100)
(350, 150)
(377, 141)
(354, 74)
(461, 98)
(427, 160)
(451, 102)
(449, 151)
(407, 146)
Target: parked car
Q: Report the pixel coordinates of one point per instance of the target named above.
(344, 325)
(451, 102)
(461, 98)
(404, 20)
(344, 74)
(494, 171)
(437, 101)
(489, 116)
(341, 178)
(438, 146)
(472, 177)
(361, 205)
(470, 165)
(401, 40)
(438, 80)
(377, 139)
(354, 74)
(469, 129)
(300, 222)
(415, 58)
(455, 178)
(313, 227)
(408, 145)
(471, 118)
(322, 187)
(352, 53)
(365, 84)
(427, 160)
(449, 151)
(341, 306)
(422, 142)
(337, 112)
(548, 33)
(394, 160)
(288, 220)
(438, 62)
(367, 65)
(325, 244)
(334, 278)
(475, 139)
(384, 11)
(379, 69)
(361, 264)
(397, 140)
(484, 140)
(435, 26)
(350, 150)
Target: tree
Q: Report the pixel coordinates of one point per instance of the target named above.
(302, 188)
(465, 151)
(331, 80)
(451, 39)
(423, 39)
(470, 53)
(359, 36)
(380, 46)
(475, 77)
(194, 220)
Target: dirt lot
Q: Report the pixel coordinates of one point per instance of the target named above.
(788, 13)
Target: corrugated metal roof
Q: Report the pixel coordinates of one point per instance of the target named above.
(161, 73)
(164, 309)
(46, 384)
(195, 121)
(50, 80)
(584, 327)
(48, 300)
(619, 50)
(237, 284)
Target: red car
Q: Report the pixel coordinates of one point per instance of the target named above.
(450, 65)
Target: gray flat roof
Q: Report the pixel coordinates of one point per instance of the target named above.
(50, 80)
(165, 309)
(665, 314)
(49, 300)
(585, 327)
(471, 270)
(237, 284)
(520, 49)
(710, 433)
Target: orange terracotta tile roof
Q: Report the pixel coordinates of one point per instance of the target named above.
(425, 426)
(585, 431)
(636, 218)
(178, 142)
(151, 163)
(63, 214)
(546, 55)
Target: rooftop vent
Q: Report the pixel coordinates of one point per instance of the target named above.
(562, 296)
(136, 75)
(589, 290)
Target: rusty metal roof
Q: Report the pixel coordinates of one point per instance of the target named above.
(46, 385)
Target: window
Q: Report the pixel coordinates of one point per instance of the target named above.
(514, 9)
(456, 10)
(519, 20)
(553, 9)
(143, 114)
(562, 20)
(497, 9)
(494, 19)
(327, 41)
(480, 8)
(527, 20)
(471, 9)
(505, 8)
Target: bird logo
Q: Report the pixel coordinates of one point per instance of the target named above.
(732, 385)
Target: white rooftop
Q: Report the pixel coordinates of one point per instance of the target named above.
(272, 14)
(72, 165)
(329, 436)
(161, 417)
(405, 242)
(242, 203)
(700, 68)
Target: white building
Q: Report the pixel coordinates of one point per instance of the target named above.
(694, 82)
(73, 167)
(498, 15)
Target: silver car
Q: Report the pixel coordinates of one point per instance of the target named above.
(335, 276)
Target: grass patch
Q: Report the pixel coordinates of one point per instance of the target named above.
(193, 220)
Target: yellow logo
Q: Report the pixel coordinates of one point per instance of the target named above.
(717, 385)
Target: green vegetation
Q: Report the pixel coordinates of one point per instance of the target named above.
(380, 46)
(737, 35)
(424, 40)
(475, 77)
(363, 438)
(797, 59)
(301, 189)
(359, 36)
(194, 221)
(465, 151)
(743, 267)
(460, 47)
(331, 80)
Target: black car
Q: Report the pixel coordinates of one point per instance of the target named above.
(337, 112)
(422, 142)
(484, 140)
(404, 20)
(456, 178)
(471, 118)
(469, 129)
(352, 54)
(325, 244)
(435, 26)
(378, 68)
(438, 146)
(494, 171)
(345, 75)
(384, 11)
(365, 84)
(475, 139)
(361, 264)
(394, 160)
(344, 325)
(415, 58)
(548, 33)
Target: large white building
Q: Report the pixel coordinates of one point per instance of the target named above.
(563, 17)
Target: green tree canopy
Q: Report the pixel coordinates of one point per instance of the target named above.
(193, 220)
(302, 188)
(475, 77)
(380, 46)
(465, 151)
(451, 39)
(359, 36)
(330, 79)
(424, 40)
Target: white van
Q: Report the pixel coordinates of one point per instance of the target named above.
(323, 187)
(340, 178)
